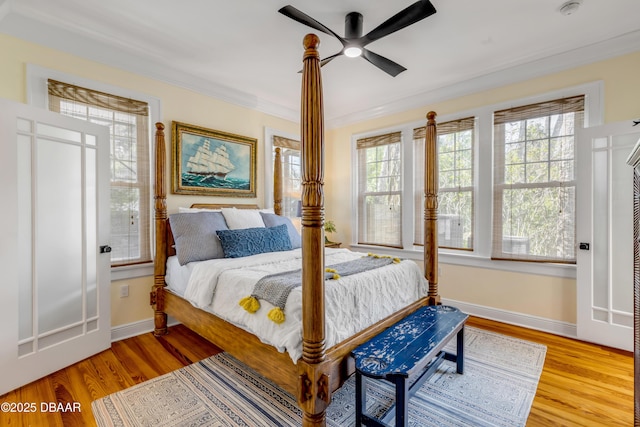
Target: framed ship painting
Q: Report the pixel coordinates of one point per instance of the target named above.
(213, 163)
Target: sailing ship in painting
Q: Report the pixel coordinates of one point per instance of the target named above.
(211, 163)
(211, 166)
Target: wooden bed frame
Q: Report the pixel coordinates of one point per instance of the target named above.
(320, 371)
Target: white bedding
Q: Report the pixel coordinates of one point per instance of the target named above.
(177, 276)
(352, 303)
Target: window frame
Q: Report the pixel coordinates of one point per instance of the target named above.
(419, 183)
(501, 187)
(480, 255)
(269, 133)
(363, 193)
(37, 95)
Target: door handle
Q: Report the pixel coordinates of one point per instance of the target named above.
(105, 249)
(584, 246)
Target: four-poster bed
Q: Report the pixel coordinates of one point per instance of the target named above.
(319, 371)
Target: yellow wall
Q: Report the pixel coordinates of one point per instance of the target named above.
(177, 104)
(539, 296)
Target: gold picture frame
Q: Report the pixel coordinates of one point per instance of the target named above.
(212, 163)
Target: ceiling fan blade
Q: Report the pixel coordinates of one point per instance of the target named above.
(329, 58)
(305, 19)
(386, 65)
(412, 14)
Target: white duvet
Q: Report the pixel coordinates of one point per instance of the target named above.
(352, 303)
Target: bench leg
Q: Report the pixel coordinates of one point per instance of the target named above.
(402, 401)
(460, 351)
(361, 397)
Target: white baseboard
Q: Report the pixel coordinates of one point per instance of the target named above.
(519, 319)
(140, 327)
(565, 329)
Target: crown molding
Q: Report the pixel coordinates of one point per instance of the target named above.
(611, 48)
(126, 58)
(15, 22)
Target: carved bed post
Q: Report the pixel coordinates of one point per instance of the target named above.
(313, 391)
(431, 209)
(160, 196)
(277, 182)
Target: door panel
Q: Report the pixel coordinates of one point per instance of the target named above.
(55, 307)
(605, 202)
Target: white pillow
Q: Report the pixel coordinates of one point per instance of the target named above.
(242, 218)
(183, 209)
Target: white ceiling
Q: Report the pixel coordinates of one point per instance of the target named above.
(245, 52)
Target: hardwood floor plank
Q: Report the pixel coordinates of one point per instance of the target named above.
(139, 356)
(85, 391)
(186, 345)
(132, 362)
(39, 392)
(103, 375)
(7, 417)
(72, 396)
(578, 402)
(582, 384)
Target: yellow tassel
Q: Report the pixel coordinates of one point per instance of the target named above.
(396, 260)
(251, 304)
(335, 276)
(276, 314)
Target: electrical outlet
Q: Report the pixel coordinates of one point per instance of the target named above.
(124, 291)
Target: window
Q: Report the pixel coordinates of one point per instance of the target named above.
(128, 121)
(456, 183)
(507, 184)
(535, 182)
(380, 190)
(291, 174)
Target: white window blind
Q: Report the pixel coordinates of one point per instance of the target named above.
(380, 190)
(128, 122)
(534, 216)
(455, 183)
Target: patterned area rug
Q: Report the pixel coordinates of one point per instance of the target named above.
(497, 389)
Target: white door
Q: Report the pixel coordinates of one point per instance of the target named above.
(54, 292)
(605, 235)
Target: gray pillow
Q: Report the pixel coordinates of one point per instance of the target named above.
(272, 220)
(195, 235)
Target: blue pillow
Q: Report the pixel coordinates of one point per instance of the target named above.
(252, 241)
(195, 235)
(271, 220)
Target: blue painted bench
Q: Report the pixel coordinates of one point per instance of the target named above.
(408, 351)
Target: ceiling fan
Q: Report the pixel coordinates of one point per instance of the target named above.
(354, 42)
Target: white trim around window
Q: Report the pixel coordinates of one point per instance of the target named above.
(37, 77)
(269, 133)
(483, 170)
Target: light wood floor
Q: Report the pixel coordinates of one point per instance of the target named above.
(581, 384)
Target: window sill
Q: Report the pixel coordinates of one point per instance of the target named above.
(131, 271)
(567, 271)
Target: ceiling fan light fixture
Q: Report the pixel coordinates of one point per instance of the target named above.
(353, 51)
